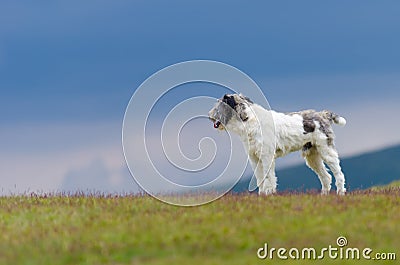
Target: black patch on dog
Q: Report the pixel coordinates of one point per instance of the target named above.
(308, 125)
(307, 146)
(308, 121)
(324, 118)
(230, 100)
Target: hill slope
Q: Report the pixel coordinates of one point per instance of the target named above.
(363, 171)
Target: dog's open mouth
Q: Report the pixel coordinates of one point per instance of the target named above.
(216, 123)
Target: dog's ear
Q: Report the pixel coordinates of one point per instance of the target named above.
(241, 110)
(230, 100)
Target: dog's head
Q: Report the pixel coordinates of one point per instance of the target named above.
(230, 109)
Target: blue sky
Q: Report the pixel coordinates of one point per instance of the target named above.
(68, 69)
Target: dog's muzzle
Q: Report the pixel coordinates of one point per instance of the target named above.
(217, 124)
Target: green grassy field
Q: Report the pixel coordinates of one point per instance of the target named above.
(141, 230)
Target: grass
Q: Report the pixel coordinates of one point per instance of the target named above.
(61, 229)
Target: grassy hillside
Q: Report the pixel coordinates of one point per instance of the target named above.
(141, 230)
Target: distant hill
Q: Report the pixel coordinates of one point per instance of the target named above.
(361, 172)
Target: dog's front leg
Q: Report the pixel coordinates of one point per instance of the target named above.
(270, 182)
(257, 166)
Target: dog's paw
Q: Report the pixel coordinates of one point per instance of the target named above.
(341, 192)
(324, 192)
(267, 192)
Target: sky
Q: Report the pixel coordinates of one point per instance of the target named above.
(69, 68)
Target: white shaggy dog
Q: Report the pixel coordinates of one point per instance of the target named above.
(268, 135)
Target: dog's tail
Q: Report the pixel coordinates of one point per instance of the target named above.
(338, 119)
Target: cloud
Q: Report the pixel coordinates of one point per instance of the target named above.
(37, 156)
(97, 177)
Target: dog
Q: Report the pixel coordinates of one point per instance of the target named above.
(268, 135)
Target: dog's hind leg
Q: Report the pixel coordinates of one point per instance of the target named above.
(315, 162)
(331, 158)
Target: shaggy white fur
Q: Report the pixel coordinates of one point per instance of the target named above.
(268, 134)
